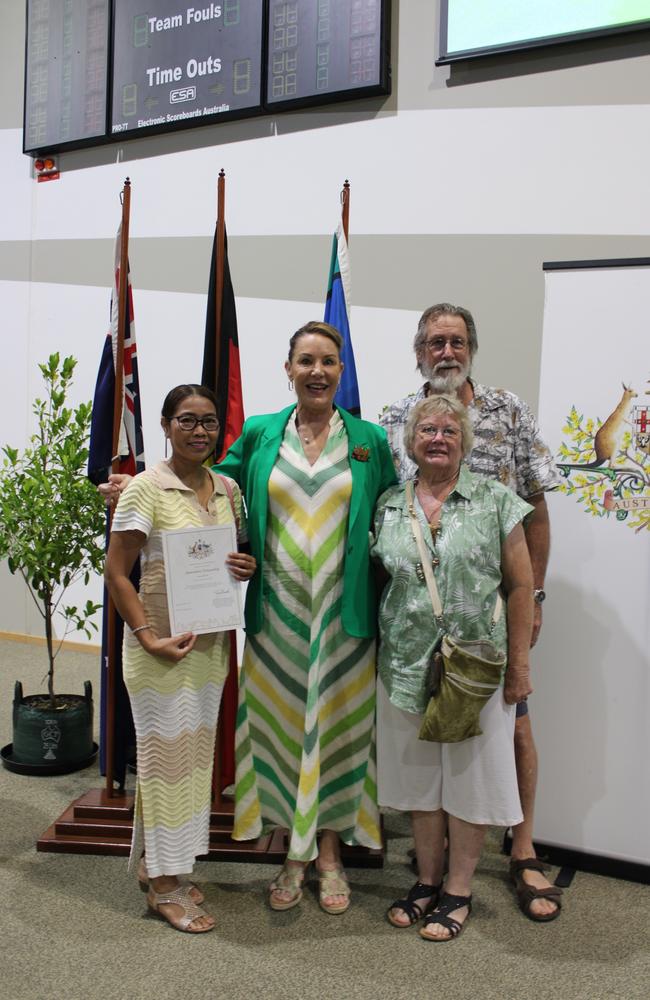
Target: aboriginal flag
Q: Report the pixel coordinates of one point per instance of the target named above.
(222, 374)
(221, 371)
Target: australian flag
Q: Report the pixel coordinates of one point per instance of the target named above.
(130, 452)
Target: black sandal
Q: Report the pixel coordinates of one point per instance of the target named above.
(440, 915)
(410, 906)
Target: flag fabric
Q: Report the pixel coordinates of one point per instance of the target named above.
(222, 374)
(131, 454)
(130, 446)
(337, 313)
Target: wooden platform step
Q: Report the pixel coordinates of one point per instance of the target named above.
(98, 824)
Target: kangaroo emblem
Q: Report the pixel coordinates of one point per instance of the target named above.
(608, 435)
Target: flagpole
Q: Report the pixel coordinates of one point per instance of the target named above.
(118, 403)
(220, 253)
(345, 209)
(219, 263)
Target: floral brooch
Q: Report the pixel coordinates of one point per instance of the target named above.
(361, 454)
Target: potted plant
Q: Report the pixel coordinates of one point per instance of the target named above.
(52, 521)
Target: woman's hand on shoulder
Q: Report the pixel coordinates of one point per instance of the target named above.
(241, 565)
(517, 684)
(112, 490)
(174, 648)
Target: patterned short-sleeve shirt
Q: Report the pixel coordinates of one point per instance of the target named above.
(507, 443)
(477, 517)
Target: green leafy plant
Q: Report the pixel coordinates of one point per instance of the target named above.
(52, 516)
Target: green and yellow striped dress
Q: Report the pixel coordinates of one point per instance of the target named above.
(305, 746)
(175, 706)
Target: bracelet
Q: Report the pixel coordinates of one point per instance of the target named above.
(139, 629)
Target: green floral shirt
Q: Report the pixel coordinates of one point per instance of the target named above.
(477, 517)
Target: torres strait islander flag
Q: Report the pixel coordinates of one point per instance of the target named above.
(131, 455)
(337, 312)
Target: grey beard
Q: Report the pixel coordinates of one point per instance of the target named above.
(450, 383)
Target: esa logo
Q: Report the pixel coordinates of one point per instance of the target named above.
(182, 94)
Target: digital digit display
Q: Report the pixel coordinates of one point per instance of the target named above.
(66, 73)
(178, 64)
(321, 50)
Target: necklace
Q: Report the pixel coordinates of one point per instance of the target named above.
(421, 487)
(306, 434)
(432, 504)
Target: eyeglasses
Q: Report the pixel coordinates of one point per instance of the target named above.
(429, 431)
(187, 422)
(437, 344)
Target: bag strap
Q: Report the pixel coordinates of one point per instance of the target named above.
(427, 568)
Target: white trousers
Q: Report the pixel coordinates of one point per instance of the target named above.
(475, 780)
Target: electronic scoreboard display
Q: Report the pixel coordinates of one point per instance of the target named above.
(325, 50)
(176, 63)
(102, 70)
(66, 73)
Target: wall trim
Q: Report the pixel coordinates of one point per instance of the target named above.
(40, 640)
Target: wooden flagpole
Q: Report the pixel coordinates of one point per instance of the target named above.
(345, 209)
(118, 404)
(219, 262)
(220, 250)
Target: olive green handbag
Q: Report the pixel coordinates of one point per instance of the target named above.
(464, 673)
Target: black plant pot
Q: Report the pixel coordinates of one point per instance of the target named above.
(51, 741)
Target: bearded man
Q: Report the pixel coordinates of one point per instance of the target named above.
(508, 447)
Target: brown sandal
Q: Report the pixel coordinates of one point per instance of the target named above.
(527, 893)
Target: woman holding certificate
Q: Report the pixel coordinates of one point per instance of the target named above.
(174, 681)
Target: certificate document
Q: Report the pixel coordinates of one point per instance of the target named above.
(201, 594)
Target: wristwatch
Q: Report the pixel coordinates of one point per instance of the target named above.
(539, 595)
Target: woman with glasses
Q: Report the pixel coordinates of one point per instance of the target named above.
(174, 682)
(305, 742)
(468, 528)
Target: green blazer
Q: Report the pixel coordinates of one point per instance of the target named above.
(249, 462)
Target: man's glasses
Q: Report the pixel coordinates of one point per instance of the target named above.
(187, 422)
(437, 344)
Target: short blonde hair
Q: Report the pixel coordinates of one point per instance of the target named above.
(433, 405)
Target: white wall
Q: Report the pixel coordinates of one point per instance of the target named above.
(462, 184)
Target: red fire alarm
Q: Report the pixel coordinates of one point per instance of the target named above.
(46, 168)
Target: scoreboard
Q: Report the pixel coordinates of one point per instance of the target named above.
(98, 70)
(66, 72)
(180, 64)
(325, 50)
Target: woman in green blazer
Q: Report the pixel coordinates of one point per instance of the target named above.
(311, 475)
